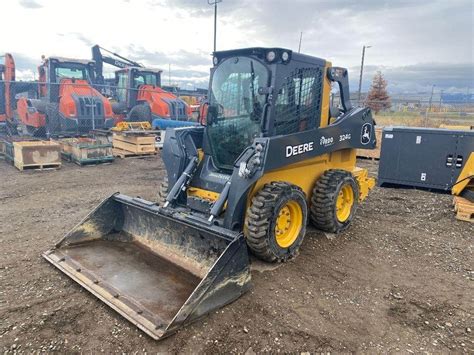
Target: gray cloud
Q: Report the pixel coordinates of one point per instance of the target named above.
(179, 58)
(30, 4)
(87, 41)
(418, 77)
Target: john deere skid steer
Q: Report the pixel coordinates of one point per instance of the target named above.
(272, 157)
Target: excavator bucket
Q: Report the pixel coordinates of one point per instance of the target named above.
(159, 271)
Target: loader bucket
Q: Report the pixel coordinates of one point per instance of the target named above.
(159, 271)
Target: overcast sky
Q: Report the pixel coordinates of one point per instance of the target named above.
(415, 43)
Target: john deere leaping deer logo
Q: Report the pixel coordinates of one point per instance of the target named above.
(366, 133)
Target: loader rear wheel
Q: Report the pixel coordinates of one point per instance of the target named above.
(139, 113)
(276, 222)
(163, 191)
(334, 201)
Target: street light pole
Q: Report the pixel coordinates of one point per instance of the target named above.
(429, 105)
(214, 2)
(362, 70)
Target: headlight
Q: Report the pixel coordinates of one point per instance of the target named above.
(271, 56)
(215, 60)
(285, 56)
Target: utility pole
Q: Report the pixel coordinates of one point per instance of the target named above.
(428, 109)
(362, 70)
(431, 97)
(169, 74)
(301, 37)
(214, 2)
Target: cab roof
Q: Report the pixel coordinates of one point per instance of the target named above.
(261, 52)
(71, 60)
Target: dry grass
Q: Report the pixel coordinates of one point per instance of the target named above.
(413, 119)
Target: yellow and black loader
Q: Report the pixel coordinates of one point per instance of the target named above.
(273, 156)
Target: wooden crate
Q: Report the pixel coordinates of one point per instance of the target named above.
(126, 154)
(372, 153)
(8, 148)
(37, 155)
(135, 143)
(464, 209)
(85, 151)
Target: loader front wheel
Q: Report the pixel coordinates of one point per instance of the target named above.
(163, 191)
(276, 222)
(334, 201)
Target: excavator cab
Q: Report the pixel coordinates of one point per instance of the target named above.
(268, 161)
(128, 82)
(138, 93)
(140, 97)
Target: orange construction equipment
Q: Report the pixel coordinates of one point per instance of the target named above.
(7, 77)
(137, 91)
(65, 102)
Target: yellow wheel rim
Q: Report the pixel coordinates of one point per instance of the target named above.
(288, 224)
(344, 203)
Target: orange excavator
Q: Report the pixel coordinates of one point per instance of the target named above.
(137, 92)
(7, 97)
(65, 103)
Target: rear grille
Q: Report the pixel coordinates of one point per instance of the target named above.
(89, 107)
(177, 109)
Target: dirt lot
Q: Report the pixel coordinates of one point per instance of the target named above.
(401, 279)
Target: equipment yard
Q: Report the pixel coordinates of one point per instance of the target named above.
(399, 279)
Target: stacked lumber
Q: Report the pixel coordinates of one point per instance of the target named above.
(464, 209)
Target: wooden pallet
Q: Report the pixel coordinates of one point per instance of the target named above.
(22, 167)
(127, 154)
(464, 209)
(87, 161)
(86, 151)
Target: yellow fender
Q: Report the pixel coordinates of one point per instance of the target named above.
(465, 177)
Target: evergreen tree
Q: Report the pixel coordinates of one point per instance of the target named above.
(378, 98)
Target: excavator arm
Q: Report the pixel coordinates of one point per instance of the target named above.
(117, 61)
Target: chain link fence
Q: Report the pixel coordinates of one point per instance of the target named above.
(74, 107)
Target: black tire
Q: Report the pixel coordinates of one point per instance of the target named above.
(261, 221)
(53, 121)
(140, 113)
(163, 191)
(323, 201)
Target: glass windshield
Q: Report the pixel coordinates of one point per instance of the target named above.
(235, 108)
(144, 78)
(71, 72)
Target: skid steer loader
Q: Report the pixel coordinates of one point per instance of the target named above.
(270, 158)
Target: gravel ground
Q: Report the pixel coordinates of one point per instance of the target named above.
(400, 279)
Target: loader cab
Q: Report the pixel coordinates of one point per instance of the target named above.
(261, 92)
(55, 70)
(129, 80)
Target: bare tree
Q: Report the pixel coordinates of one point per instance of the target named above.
(378, 98)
